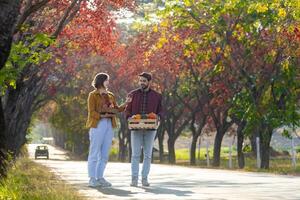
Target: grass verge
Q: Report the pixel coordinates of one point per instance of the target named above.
(278, 165)
(28, 180)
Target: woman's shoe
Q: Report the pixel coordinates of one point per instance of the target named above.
(145, 182)
(134, 181)
(93, 183)
(104, 183)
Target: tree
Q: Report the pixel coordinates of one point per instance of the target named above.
(9, 11)
(192, 87)
(41, 21)
(243, 43)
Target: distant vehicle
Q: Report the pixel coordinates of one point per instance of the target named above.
(41, 151)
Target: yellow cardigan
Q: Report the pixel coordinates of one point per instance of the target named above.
(95, 107)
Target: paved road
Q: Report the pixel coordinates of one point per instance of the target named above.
(174, 182)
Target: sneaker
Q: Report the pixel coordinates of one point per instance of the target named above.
(145, 182)
(93, 183)
(103, 183)
(134, 181)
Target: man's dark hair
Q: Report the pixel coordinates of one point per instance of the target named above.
(146, 75)
(99, 79)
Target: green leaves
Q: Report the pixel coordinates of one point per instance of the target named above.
(43, 39)
(22, 54)
(248, 42)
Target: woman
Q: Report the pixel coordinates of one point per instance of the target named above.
(102, 108)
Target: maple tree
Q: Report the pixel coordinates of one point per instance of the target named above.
(244, 46)
(46, 34)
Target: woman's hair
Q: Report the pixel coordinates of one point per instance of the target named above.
(99, 80)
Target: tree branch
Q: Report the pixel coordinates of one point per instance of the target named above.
(29, 9)
(64, 19)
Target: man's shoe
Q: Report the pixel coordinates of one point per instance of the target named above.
(93, 183)
(103, 183)
(134, 182)
(145, 182)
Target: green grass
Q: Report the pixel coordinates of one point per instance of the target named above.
(278, 165)
(184, 154)
(113, 154)
(28, 180)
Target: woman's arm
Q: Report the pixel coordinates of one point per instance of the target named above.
(128, 109)
(121, 107)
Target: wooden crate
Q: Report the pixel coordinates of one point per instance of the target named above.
(144, 124)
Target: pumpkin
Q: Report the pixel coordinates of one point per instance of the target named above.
(151, 116)
(137, 116)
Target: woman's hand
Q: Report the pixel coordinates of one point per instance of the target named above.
(107, 115)
(128, 99)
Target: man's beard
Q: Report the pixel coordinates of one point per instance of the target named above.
(144, 87)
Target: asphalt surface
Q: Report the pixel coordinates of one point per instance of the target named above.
(174, 182)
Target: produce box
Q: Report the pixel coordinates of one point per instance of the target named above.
(143, 122)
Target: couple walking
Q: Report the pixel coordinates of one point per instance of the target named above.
(102, 108)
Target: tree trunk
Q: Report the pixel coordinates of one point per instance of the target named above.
(256, 133)
(18, 108)
(193, 149)
(3, 148)
(173, 133)
(240, 140)
(9, 11)
(17, 120)
(171, 148)
(123, 135)
(123, 148)
(217, 147)
(265, 139)
(253, 143)
(160, 136)
(161, 147)
(196, 132)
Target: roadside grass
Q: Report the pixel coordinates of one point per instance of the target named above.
(278, 165)
(28, 180)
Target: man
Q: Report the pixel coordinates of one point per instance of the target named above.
(144, 100)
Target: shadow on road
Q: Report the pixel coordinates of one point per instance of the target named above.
(161, 190)
(127, 193)
(115, 191)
